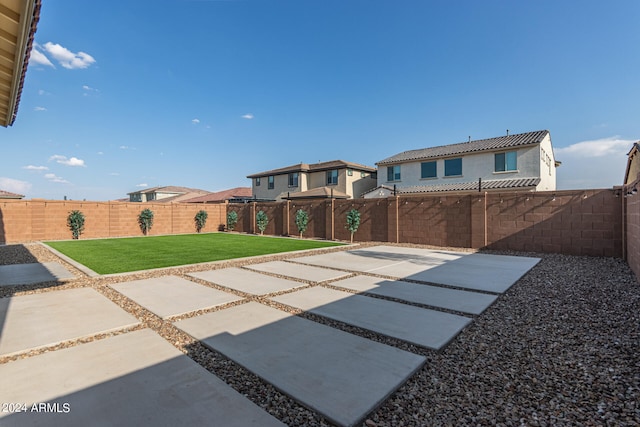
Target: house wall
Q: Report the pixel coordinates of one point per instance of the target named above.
(357, 184)
(474, 166)
(546, 166)
(34, 220)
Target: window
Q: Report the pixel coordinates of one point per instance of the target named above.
(293, 179)
(393, 173)
(270, 182)
(258, 182)
(506, 161)
(350, 172)
(332, 177)
(453, 167)
(428, 170)
(374, 175)
(363, 174)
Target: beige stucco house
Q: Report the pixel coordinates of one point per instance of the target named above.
(167, 194)
(632, 173)
(18, 22)
(336, 178)
(510, 162)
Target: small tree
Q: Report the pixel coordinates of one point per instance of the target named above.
(353, 222)
(262, 220)
(201, 220)
(232, 220)
(75, 221)
(302, 221)
(145, 220)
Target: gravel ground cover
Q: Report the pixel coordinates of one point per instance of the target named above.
(560, 348)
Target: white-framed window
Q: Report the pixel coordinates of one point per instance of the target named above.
(258, 182)
(270, 182)
(507, 161)
(332, 177)
(393, 173)
(293, 179)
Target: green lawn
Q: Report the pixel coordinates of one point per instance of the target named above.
(107, 256)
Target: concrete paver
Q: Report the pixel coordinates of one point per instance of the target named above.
(172, 296)
(424, 327)
(133, 379)
(340, 375)
(453, 299)
(250, 282)
(26, 274)
(39, 320)
(302, 272)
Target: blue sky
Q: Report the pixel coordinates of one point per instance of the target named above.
(125, 94)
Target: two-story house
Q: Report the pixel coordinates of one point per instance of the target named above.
(511, 162)
(336, 178)
(167, 194)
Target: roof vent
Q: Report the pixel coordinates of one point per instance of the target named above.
(507, 132)
(469, 138)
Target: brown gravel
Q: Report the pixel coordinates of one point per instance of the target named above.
(560, 348)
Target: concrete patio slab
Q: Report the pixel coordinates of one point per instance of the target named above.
(32, 321)
(340, 375)
(172, 296)
(424, 327)
(453, 299)
(302, 272)
(483, 272)
(250, 282)
(133, 379)
(26, 274)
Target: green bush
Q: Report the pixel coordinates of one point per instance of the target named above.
(262, 220)
(75, 221)
(201, 220)
(302, 221)
(232, 220)
(145, 220)
(353, 222)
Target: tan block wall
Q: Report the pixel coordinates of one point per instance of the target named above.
(35, 220)
(633, 229)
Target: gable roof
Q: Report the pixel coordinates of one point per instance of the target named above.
(633, 164)
(505, 141)
(314, 167)
(318, 193)
(220, 196)
(19, 24)
(10, 195)
(495, 184)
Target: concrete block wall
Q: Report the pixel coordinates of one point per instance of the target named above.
(633, 229)
(36, 220)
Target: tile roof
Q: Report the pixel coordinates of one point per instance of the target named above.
(318, 193)
(10, 195)
(314, 167)
(496, 184)
(220, 196)
(505, 141)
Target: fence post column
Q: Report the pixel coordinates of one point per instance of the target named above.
(287, 207)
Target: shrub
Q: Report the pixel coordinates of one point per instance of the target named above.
(201, 220)
(353, 222)
(262, 220)
(232, 220)
(145, 220)
(75, 221)
(302, 221)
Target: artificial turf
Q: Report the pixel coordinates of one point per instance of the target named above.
(108, 256)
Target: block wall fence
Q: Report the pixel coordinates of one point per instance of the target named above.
(575, 222)
(34, 220)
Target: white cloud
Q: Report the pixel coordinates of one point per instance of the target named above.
(597, 163)
(248, 116)
(38, 57)
(143, 185)
(14, 185)
(195, 121)
(597, 148)
(54, 178)
(63, 160)
(100, 153)
(68, 59)
(35, 168)
(39, 109)
(114, 174)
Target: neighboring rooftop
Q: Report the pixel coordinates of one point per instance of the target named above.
(167, 194)
(10, 195)
(315, 167)
(19, 19)
(505, 141)
(497, 184)
(238, 193)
